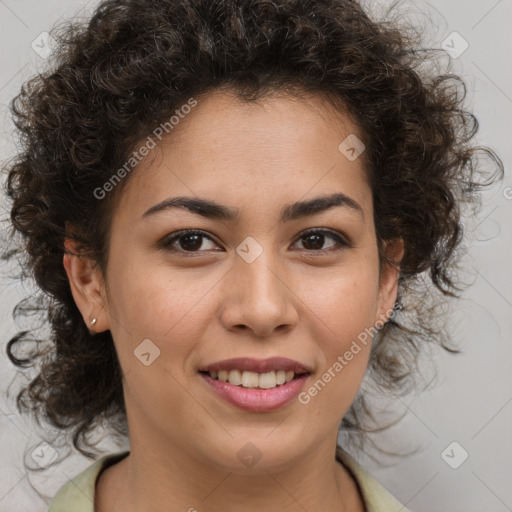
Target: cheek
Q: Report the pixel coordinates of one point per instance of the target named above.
(151, 298)
(345, 348)
(168, 308)
(165, 309)
(345, 300)
(345, 311)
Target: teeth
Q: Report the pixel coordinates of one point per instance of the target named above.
(250, 380)
(268, 380)
(235, 377)
(280, 377)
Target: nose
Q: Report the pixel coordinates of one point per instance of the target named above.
(257, 297)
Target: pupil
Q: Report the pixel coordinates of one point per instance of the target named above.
(194, 245)
(317, 237)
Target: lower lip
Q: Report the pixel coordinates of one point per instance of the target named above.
(256, 399)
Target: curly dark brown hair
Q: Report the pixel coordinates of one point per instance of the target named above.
(112, 80)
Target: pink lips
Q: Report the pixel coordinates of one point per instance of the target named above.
(256, 399)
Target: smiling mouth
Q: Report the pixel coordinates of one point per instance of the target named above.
(253, 380)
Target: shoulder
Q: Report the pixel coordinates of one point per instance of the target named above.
(376, 497)
(77, 495)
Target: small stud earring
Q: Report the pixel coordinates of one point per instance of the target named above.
(93, 321)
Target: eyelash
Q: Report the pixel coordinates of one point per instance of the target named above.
(166, 243)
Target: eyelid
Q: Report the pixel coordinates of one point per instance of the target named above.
(342, 240)
(166, 242)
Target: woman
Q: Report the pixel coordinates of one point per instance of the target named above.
(228, 204)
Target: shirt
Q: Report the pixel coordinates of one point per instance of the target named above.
(77, 495)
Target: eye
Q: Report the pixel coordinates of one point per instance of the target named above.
(189, 240)
(315, 239)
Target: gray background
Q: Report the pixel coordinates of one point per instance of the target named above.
(470, 402)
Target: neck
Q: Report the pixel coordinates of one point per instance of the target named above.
(152, 480)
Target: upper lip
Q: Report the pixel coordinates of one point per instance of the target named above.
(258, 365)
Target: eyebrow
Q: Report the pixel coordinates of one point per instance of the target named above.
(213, 210)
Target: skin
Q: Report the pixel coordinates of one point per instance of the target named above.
(292, 301)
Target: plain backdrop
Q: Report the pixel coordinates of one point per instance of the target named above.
(460, 428)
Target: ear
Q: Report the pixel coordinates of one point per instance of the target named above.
(388, 287)
(87, 287)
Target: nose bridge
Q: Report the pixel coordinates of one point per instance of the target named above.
(260, 269)
(259, 296)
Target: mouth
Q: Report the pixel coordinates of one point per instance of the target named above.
(256, 373)
(256, 385)
(251, 380)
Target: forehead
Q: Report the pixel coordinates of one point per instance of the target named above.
(279, 147)
(222, 121)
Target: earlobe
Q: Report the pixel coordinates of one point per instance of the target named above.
(87, 287)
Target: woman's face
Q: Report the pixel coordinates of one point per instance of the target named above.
(252, 286)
